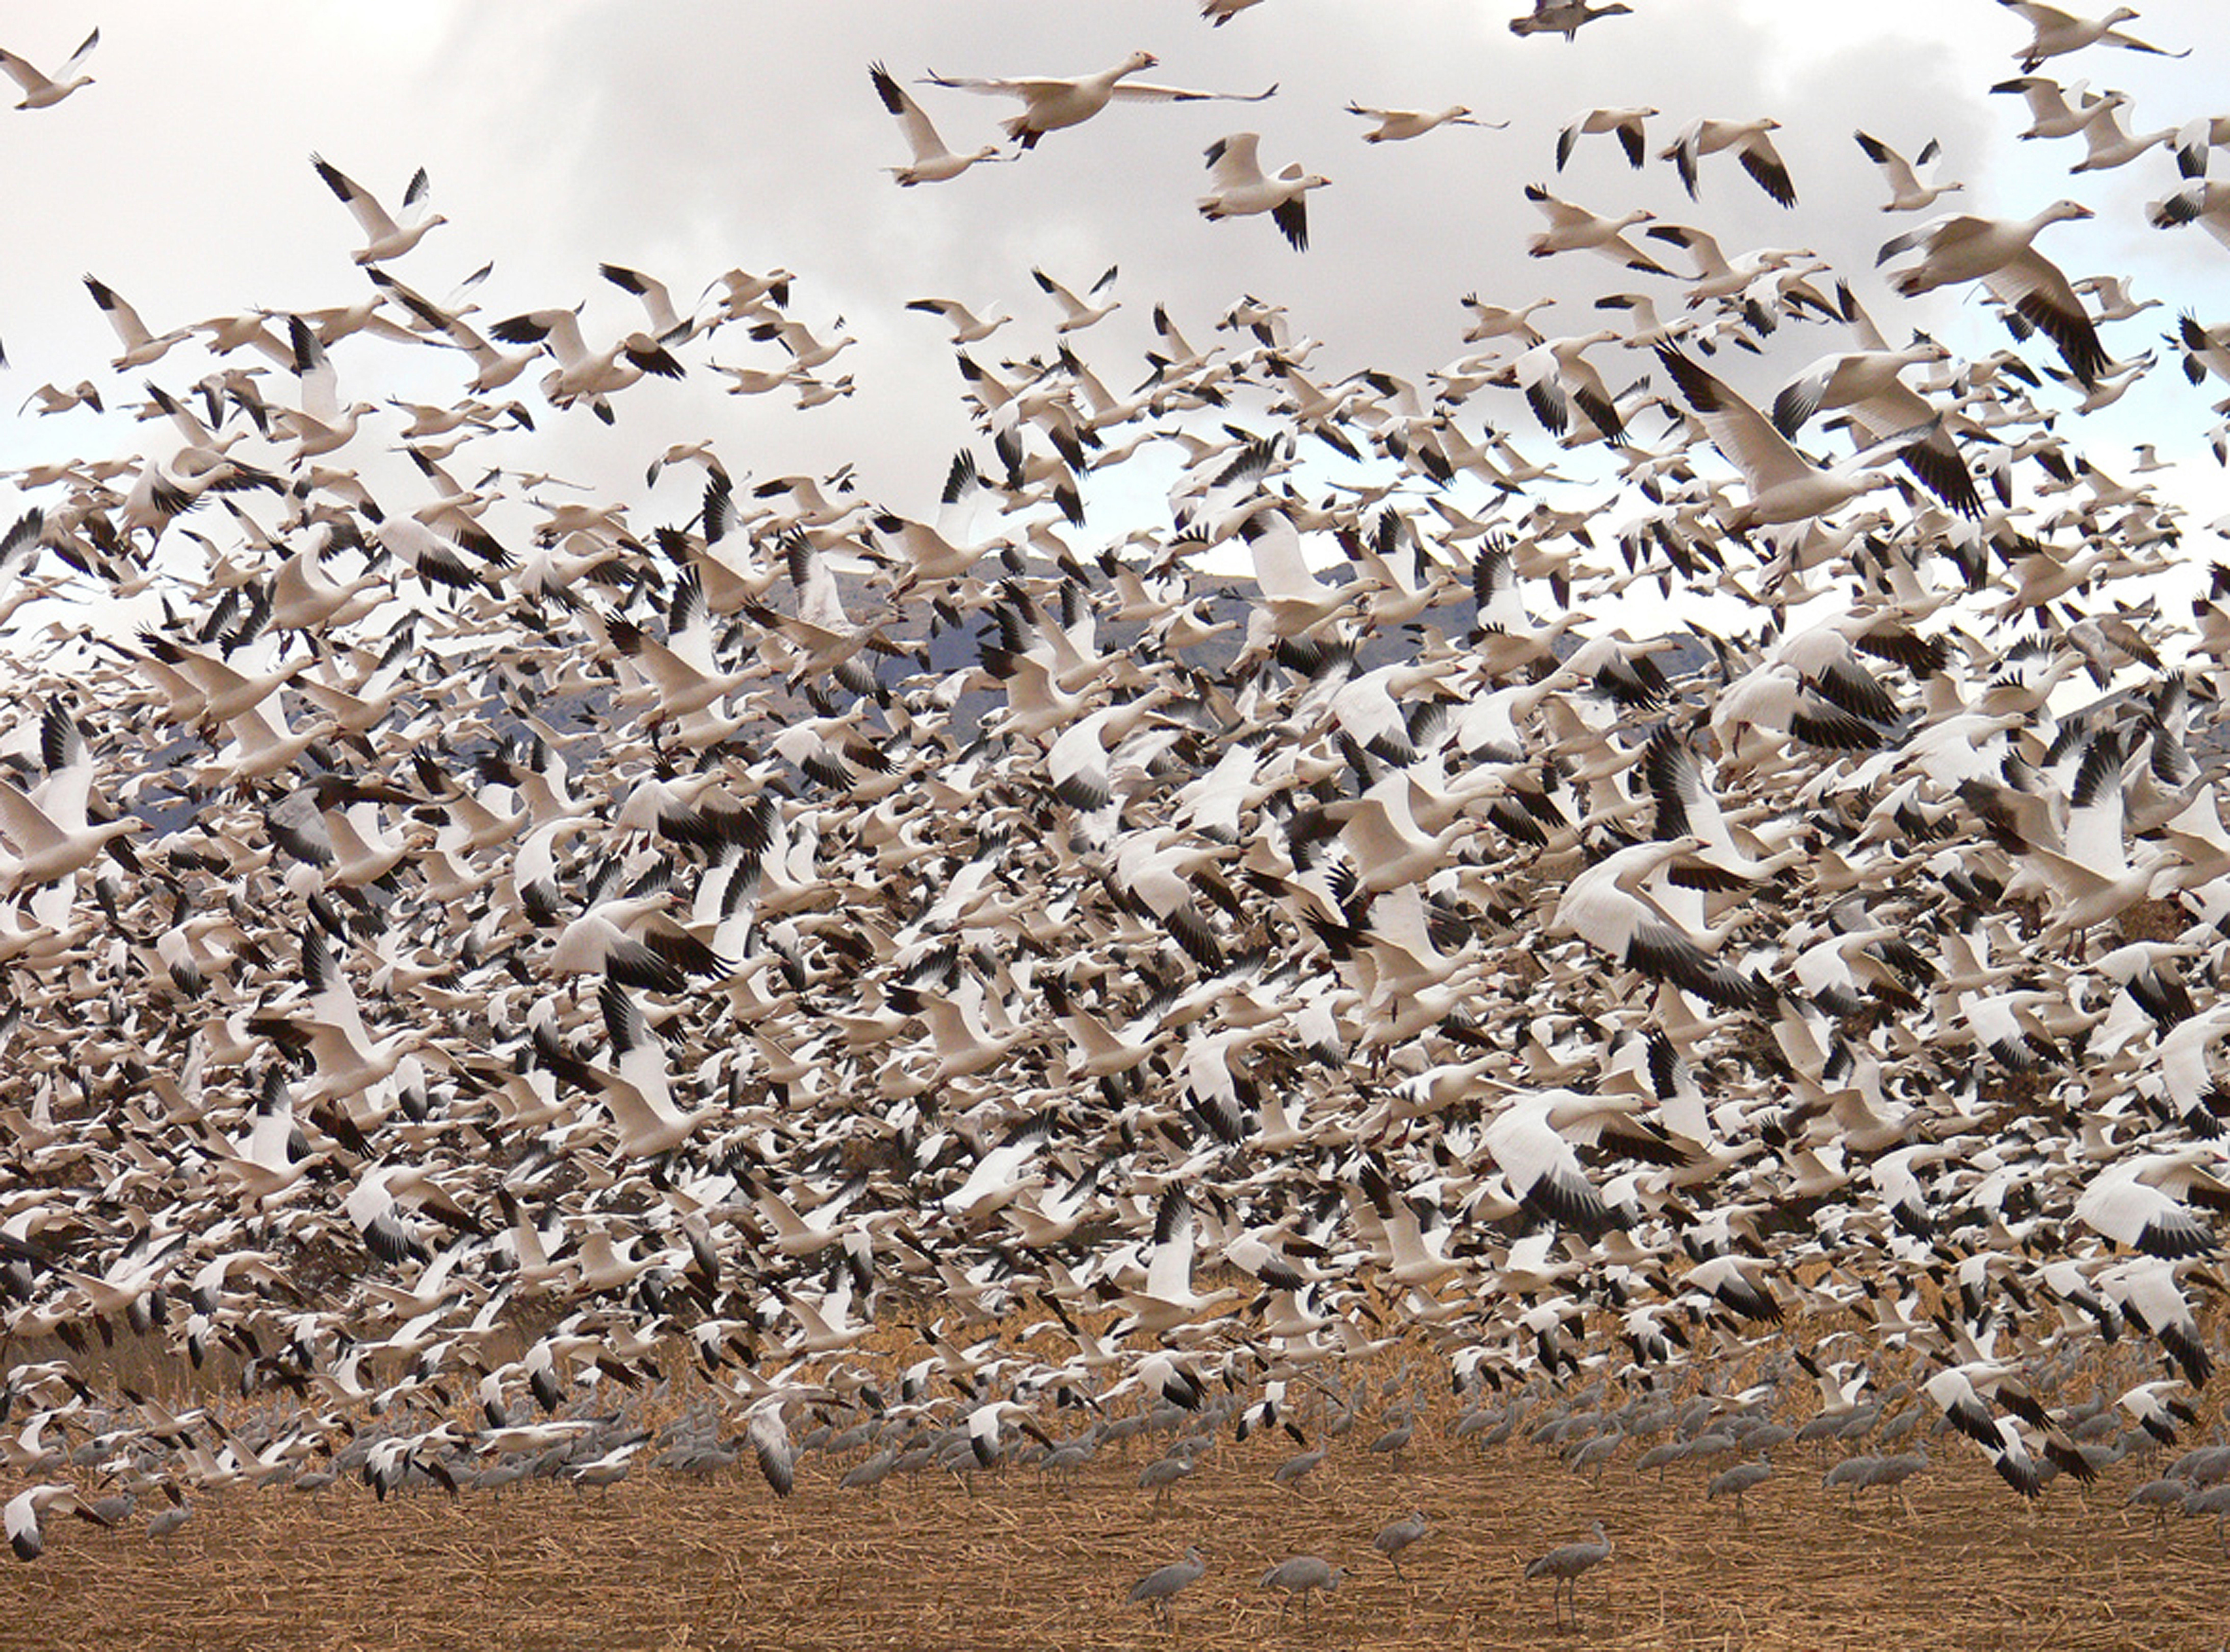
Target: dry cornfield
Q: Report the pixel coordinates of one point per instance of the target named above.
(660, 1562)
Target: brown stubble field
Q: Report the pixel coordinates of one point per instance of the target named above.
(660, 1562)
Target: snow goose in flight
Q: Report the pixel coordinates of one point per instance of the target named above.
(321, 424)
(933, 162)
(581, 376)
(49, 833)
(807, 350)
(629, 939)
(1556, 375)
(1396, 125)
(1167, 1299)
(1573, 228)
(25, 1509)
(383, 237)
(1624, 124)
(1605, 906)
(328, 1024)
(42, 90)
(2050, 113)
(1078, 313)
(2000, 253)
(2145, 1290)
(1906, 192)
(680, 674)
(1784, 487)
(2199, 136)
(1502, 321)
(1883, 405)
(2203, 204)
(1751, 145)
(1239, 187)
(967, 326)
(637, 1089)
(1050, 104)
(667, 325)
(2132, 1203)
(2111, 144)
(2055, 33)
(492, 368)
(1565, 17)
(1294, 600)
(141, 346)
(1532, 1139)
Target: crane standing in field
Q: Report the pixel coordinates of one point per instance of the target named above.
(1564, 1567)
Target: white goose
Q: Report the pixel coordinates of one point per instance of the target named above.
(2054, 33)
(933, 162)
(1572, 228)
(1239, 189)
(1626, 124)
(1784, 487)
(967, 326)
(44, 91)
(1555, 376)
(1078, 313)
(1396, 125)
(2000, 253)
(2109, 143)
(2050, 113)
(384, 238)
(1906, 192)
(26, 1507)
(1050, 105)
(1752, 146)
(141, 346)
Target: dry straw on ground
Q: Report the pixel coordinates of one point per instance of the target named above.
(661, 1563)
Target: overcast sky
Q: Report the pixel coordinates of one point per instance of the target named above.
(686, 139)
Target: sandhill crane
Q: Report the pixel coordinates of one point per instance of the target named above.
(1735, 1481)
(1299, 1575)
(1159, 1590)
(1398, 1535)
(1565, 1565)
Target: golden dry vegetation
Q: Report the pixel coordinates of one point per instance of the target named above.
(661, 1562)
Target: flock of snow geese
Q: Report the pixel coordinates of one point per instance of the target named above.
(485, 965)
